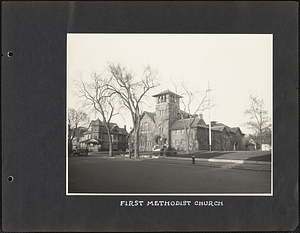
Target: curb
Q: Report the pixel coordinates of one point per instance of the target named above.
(143, 156)
(238, 161)
(214, 160)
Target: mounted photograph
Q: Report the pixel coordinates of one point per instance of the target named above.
(169, 114)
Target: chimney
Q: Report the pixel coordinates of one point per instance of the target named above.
(212, 123)
(201, 116)
(125, 127)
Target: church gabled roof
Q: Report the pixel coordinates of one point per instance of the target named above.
(179, 124)
(218, 128)
(235, 129)
(150, 114)
(221, 126)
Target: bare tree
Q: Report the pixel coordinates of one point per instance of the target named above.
(193, 105)
(97, 95)
(76, 118)
(259, 119)
(131, 93)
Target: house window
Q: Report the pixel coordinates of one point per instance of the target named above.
(182, 131)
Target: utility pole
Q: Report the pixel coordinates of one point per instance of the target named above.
(209, 106)
(209, 129)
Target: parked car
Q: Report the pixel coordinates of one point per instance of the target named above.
(80, 152)
(156, 148)
(171, 151)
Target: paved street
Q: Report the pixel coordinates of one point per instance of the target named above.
(122, 175)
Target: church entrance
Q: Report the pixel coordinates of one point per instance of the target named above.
(159, 140)
(235, 145)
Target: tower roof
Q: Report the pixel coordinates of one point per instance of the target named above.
(166, 92)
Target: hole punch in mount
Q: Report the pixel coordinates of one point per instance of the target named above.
(10, 54)
(10, 179)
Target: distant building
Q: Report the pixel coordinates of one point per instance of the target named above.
(267, 139)
(96, 137)
(78, 136)
(165, 127)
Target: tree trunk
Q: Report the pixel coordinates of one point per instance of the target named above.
(129, 147)
(70, 146)
(136, 144)
(188, 141)
(260, 139)
(110, 151)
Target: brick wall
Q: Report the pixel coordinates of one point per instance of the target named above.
(179, 139)
(202, 136)
(220, 141)
(147, 134)
(240, 140)
(162, 121)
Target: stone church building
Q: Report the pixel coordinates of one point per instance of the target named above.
(166, 127)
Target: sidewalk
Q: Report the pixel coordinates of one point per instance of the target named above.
(233, 157)
(237, 157)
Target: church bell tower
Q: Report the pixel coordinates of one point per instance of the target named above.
(166, 113)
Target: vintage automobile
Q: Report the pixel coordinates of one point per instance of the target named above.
(80, 152)
(170, 151)
(164, 150)
(156, 148)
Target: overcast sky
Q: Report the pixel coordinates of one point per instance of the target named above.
(236, 66)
